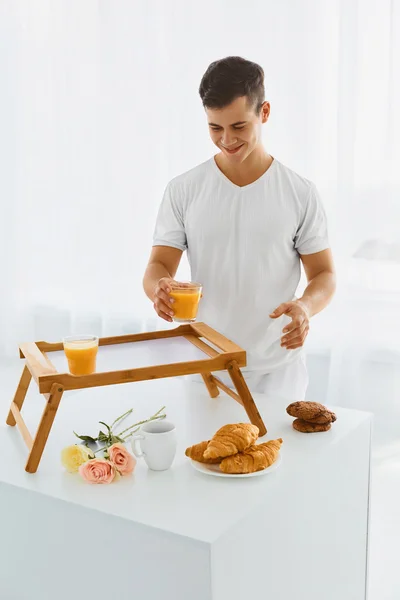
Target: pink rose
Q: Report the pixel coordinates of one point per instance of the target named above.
(122, 459)
(98, 470)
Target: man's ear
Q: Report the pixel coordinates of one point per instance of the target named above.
(265, 111)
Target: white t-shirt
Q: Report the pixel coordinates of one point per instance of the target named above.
(243, 245)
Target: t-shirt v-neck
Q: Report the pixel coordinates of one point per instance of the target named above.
(257, 181)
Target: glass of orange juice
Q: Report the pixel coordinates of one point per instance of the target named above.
(186, 296)
(81, 352)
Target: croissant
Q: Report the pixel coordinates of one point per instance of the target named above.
(231, 439)
(255, 458)
(196, 453)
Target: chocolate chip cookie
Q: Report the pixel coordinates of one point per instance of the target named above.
(306, 427)
(312, 412)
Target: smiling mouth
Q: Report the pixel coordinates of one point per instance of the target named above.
(234, 150)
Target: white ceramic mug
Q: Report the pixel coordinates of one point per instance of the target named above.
(157, 443)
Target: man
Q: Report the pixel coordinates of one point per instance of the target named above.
(246, 221)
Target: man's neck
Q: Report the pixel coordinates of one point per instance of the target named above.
(248, 171)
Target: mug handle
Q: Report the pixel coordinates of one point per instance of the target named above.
(134, 443)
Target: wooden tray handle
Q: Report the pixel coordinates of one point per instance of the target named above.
(215, 338)
(37, 363)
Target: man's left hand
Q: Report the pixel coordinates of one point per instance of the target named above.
(295, 333)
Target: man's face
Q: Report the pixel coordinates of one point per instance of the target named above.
(236, 129)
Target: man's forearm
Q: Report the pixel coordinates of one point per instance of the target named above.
(319, 292)
(154, 272)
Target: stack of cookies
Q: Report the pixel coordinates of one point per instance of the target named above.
(311, 417)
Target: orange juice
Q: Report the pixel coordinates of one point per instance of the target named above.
(186, 301)
(81, 353)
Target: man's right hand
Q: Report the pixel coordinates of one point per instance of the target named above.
(162, 301)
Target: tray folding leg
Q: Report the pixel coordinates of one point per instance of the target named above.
(242, 394)
(19, 397)
(37, 444)
(211, 386)
(46, 422)
(248, 403)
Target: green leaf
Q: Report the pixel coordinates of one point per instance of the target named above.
(86, 438)
(105, 425)
(115, 439)
(103, 437)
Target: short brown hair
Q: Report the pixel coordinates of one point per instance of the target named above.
(230, 78)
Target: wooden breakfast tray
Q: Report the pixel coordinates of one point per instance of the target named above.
(187, 342)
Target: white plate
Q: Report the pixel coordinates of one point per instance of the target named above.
(216, 471)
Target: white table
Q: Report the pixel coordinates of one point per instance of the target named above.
(299, 533)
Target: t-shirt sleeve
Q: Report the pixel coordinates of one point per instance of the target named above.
(312, 233)
(170, 228)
